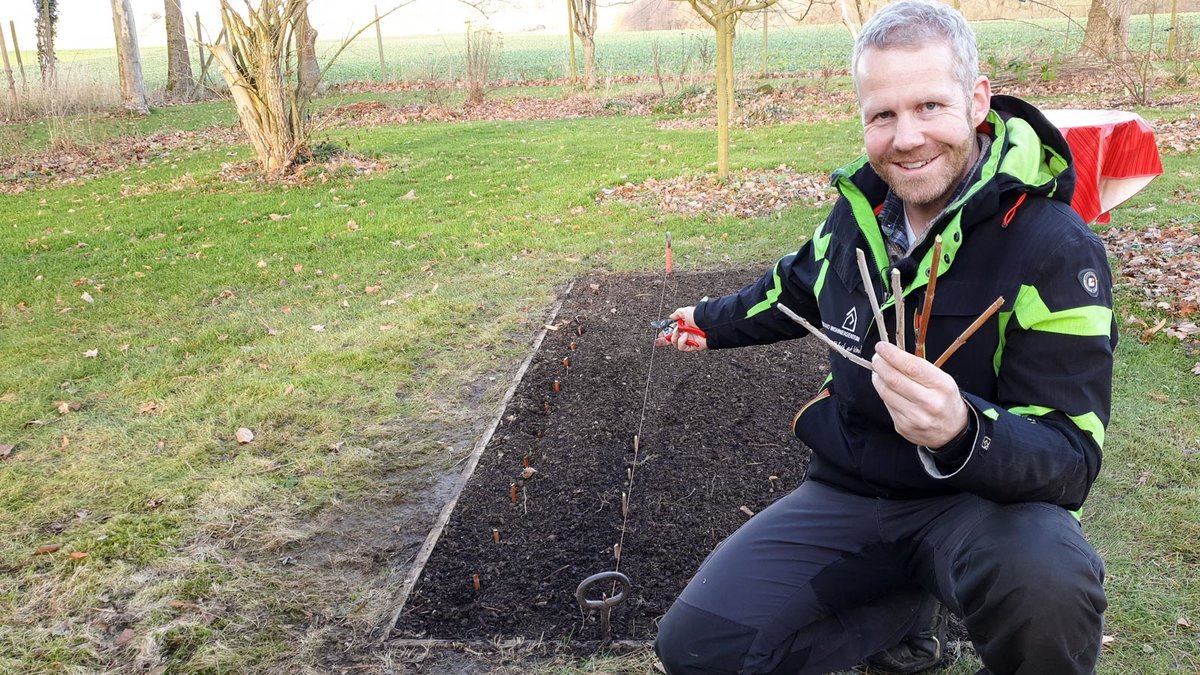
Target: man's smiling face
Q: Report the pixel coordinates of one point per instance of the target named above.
(919, 124)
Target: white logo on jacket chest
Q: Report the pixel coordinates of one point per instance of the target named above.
(848, 330)
(850, 323)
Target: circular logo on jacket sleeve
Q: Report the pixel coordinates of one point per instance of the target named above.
(1090, 282)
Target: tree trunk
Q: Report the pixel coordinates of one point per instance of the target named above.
(722, 31)
(179, 61)
(1107, 31)
(589, 62)
(129, 60)
(263, 119)
(310, 70)
(571, 40)
(47, 26)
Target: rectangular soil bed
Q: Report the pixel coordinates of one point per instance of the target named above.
(560, 485)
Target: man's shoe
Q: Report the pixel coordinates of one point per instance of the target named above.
(916, 652)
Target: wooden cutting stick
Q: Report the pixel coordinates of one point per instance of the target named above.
(966, 334)
(930, 289)
(858, 360)
(870, 289)
(898, 294)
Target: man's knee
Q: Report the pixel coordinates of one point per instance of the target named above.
(1036, 564)
(1034, 589)
(691, 641)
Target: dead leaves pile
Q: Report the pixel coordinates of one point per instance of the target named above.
(1178, 136)
(65, 165)
(509, 109)
(747, 194)
(779, 106)
(1163, 265)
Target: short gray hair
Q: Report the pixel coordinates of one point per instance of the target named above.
(912, 24)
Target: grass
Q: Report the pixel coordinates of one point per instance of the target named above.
(220, 557)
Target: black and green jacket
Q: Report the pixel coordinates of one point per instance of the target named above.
(1038, 374)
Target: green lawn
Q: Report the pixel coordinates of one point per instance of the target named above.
(365, 339)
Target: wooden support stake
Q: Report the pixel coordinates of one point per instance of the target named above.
(475, 580)
(966, 334)
(557, 386)
(512, 492)
(668, 253)
(857, 360)
(379, 38)
(495, 536)
(870, 289)
(12, 28)
(567, 362)
(898, 296)
(12, 84)
(930, 291)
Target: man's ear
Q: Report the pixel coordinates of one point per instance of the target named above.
(981, 100)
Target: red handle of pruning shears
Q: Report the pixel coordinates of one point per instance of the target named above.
(669, 326)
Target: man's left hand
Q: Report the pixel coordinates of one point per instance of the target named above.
(924, 401)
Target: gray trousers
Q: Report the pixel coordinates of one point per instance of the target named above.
(824, 578)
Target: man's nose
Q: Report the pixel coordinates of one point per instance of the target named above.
(908, 134)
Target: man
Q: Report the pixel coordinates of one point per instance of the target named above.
(959, 483)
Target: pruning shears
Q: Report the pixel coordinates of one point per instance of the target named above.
(667, 328)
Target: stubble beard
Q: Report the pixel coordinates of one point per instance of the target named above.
(935, 189)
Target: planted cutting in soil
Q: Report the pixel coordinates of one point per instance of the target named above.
(546, 506)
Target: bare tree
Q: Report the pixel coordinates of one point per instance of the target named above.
(47, 27)
(260, 61)
(179, 62)
(723, 16)
(129, 59)
(1107, 30)
(583, 24)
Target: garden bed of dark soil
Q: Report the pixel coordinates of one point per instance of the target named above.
(714, 444)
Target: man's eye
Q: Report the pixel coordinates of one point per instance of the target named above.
(882, 115)
(930, 107)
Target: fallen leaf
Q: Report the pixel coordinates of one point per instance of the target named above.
(352, 226)
(318, 328)
(148, 407)
(124, 638)
(1148, 334)
(528, 472)
(46, 549)
(288, 390)
(1107, 640)
(87, 297)
(1183, 621)
(1145, 476)
(1196, 368)
(180, 604)
(746, 510)
(91, 353)
(261, 264)
(244, 436)
(77, 555)
(297, 268)
(65, 407)
(410, 195)
(372, 289)
(276, 216)
(6, 450)
(66, 441)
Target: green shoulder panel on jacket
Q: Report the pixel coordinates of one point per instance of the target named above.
(1032, 313)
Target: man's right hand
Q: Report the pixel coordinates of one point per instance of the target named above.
(683, 341)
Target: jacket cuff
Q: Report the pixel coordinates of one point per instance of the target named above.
(949, 459)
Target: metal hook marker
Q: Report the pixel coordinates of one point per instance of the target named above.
(603, 606)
